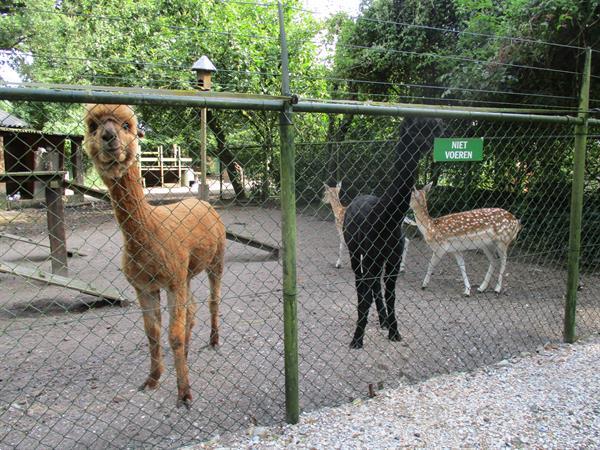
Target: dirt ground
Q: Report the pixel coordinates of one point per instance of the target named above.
(70, 367)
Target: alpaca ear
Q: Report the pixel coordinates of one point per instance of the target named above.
(428, 186)
(338, 184)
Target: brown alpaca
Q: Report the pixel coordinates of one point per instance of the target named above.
(165, 246)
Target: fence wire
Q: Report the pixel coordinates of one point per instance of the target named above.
(74, 360)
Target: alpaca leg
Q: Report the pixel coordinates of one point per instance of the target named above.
(488, 276)
(463, 271)
(190, 320)
(374, 283)
(392, 269)
(435, 259)
(404, 252)
(177, 333)
(214, 280)
(364, 302)
(150, 304)
(502, 250)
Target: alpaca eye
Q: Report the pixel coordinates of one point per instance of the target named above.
(93, 127)
(126, 126)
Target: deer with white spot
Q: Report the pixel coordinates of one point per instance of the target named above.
(485, 229)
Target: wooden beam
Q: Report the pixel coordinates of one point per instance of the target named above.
(80, 188)
(14, 237)
(253, 243)
(22, 177)
(67, 282)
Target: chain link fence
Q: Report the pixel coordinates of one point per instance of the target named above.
(75, 347)
(73, 340)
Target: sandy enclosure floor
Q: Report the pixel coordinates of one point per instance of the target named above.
(70, 372)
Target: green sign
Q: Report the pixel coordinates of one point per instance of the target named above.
(457, 149)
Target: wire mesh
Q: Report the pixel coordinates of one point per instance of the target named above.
(75, 348)
(76, 360)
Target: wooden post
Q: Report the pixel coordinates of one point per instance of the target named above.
(204, 190)
(2, 170)
(77, 167)
(581, 132)
(55, 212)
(288, 232)
(177, 152)
(161, 167)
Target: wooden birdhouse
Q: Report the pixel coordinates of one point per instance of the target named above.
(204, 69)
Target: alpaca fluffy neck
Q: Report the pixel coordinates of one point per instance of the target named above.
(395, 200)
(129, 204)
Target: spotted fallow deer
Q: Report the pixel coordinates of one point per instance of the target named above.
(485, 229)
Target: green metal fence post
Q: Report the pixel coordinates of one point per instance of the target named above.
(581, 131)
(288, 231)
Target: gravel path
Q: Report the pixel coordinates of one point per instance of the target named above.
(550, 399)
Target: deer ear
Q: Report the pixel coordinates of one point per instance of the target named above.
(428, 186)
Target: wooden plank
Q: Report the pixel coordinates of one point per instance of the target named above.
(22, 177)
(80, 188)
(67, 282)
(14, 237)
(253, 243)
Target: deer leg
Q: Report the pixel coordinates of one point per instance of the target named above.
(338, 263)
(150, 304)
(214, 280)
(502, 250)
(463, 271)
(486, 281)
(435, 259)
(365, 299)
(404, 252)
(177, 334)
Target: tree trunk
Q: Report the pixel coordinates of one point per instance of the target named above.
(225, 155)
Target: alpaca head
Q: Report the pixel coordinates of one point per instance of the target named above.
(418, 198)
(111, 138)
(417, 134)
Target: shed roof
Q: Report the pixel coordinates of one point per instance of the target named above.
(9, 121)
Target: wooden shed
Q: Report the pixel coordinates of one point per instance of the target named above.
(23, 149)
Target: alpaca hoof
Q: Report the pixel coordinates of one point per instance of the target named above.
(394, 336)
(150, 384)
(338, 265)
(467, 293)
(185, 401)
(384, 325)
(480, 289)
(424, 287)
(356, 344)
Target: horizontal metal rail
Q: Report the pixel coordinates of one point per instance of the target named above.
(276, 104)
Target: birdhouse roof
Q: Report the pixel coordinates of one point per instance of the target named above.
(204, 64)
